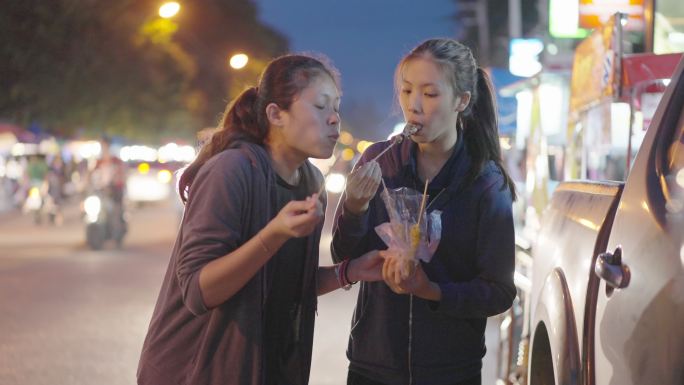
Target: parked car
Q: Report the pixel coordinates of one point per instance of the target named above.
(607, 295)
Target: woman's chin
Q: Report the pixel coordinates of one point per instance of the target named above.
(321, 154)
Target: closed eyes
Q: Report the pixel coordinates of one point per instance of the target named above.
(335, 109)
(428, 94)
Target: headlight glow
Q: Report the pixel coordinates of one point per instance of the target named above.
(164, 176)
(144, 168)
(92, 206)
(335, 182)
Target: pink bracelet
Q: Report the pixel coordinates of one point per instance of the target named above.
(263, 244)
(340, 272)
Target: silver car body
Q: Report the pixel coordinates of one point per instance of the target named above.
(585, 330)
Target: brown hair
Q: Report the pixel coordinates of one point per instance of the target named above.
(245, 117)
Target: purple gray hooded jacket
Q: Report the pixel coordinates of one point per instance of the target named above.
(230, 200)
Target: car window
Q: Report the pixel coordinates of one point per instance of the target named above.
(645, 99)
(674, 169)
(675, 156)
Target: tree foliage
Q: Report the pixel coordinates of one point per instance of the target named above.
(116, 67)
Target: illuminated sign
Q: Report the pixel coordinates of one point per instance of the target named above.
(564, 19)
(524, 59)
(593, 68)
(595, 13)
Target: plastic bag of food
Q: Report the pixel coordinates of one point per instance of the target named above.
(409, 238)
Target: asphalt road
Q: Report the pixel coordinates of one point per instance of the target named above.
(69, 315)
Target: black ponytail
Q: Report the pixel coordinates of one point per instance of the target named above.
(480, 130)
(240, 123)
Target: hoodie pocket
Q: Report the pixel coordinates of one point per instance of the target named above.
(444, 341)
(379, 334)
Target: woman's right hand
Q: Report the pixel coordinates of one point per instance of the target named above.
(298, 218)
(362, 184)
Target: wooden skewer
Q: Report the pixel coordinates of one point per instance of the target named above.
(384, 151)
(422, 203)
(409, 129)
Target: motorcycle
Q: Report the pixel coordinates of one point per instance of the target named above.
(104, 219)
(39, 204)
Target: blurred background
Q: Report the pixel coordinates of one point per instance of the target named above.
(118, 96)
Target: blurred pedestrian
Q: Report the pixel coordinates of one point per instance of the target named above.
(56, 178)
(238, 301)
(428, 328)
(109, 173)
(37, 170)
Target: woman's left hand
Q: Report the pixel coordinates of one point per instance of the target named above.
(367, 267)
(416, 283)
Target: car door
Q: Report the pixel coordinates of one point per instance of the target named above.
(638, 334)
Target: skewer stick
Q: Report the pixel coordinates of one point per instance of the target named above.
(409, 129)
(384, 151)
(422, 203)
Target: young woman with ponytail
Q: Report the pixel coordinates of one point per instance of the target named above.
(238, 301)
(429, 328)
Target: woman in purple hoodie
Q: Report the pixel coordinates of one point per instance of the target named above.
(238, 301)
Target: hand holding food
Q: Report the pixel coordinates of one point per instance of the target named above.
(362, 184)
(417, 283)
(298, 218)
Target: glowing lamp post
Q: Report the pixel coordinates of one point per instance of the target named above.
(238, 61)
(169, 9)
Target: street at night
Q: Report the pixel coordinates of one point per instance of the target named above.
(506, 177)
(71, 315)
(76, 316)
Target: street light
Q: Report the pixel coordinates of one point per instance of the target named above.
(169, 9)
(239, 61)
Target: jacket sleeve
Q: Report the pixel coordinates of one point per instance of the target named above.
(212, 222)
(493, 290)
(350, 231)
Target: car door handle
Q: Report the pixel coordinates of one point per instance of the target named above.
(609, 267)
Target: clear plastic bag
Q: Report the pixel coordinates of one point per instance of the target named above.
(406, 238)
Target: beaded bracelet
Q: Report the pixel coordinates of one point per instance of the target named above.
(340, 269)
(346, 277)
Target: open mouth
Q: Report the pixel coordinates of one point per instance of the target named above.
(412, 128)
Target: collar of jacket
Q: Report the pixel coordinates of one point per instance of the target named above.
(261, 160)
(460, 160)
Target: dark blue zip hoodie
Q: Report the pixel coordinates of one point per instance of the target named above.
(402, 339)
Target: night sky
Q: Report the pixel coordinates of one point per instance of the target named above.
(364, 39)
